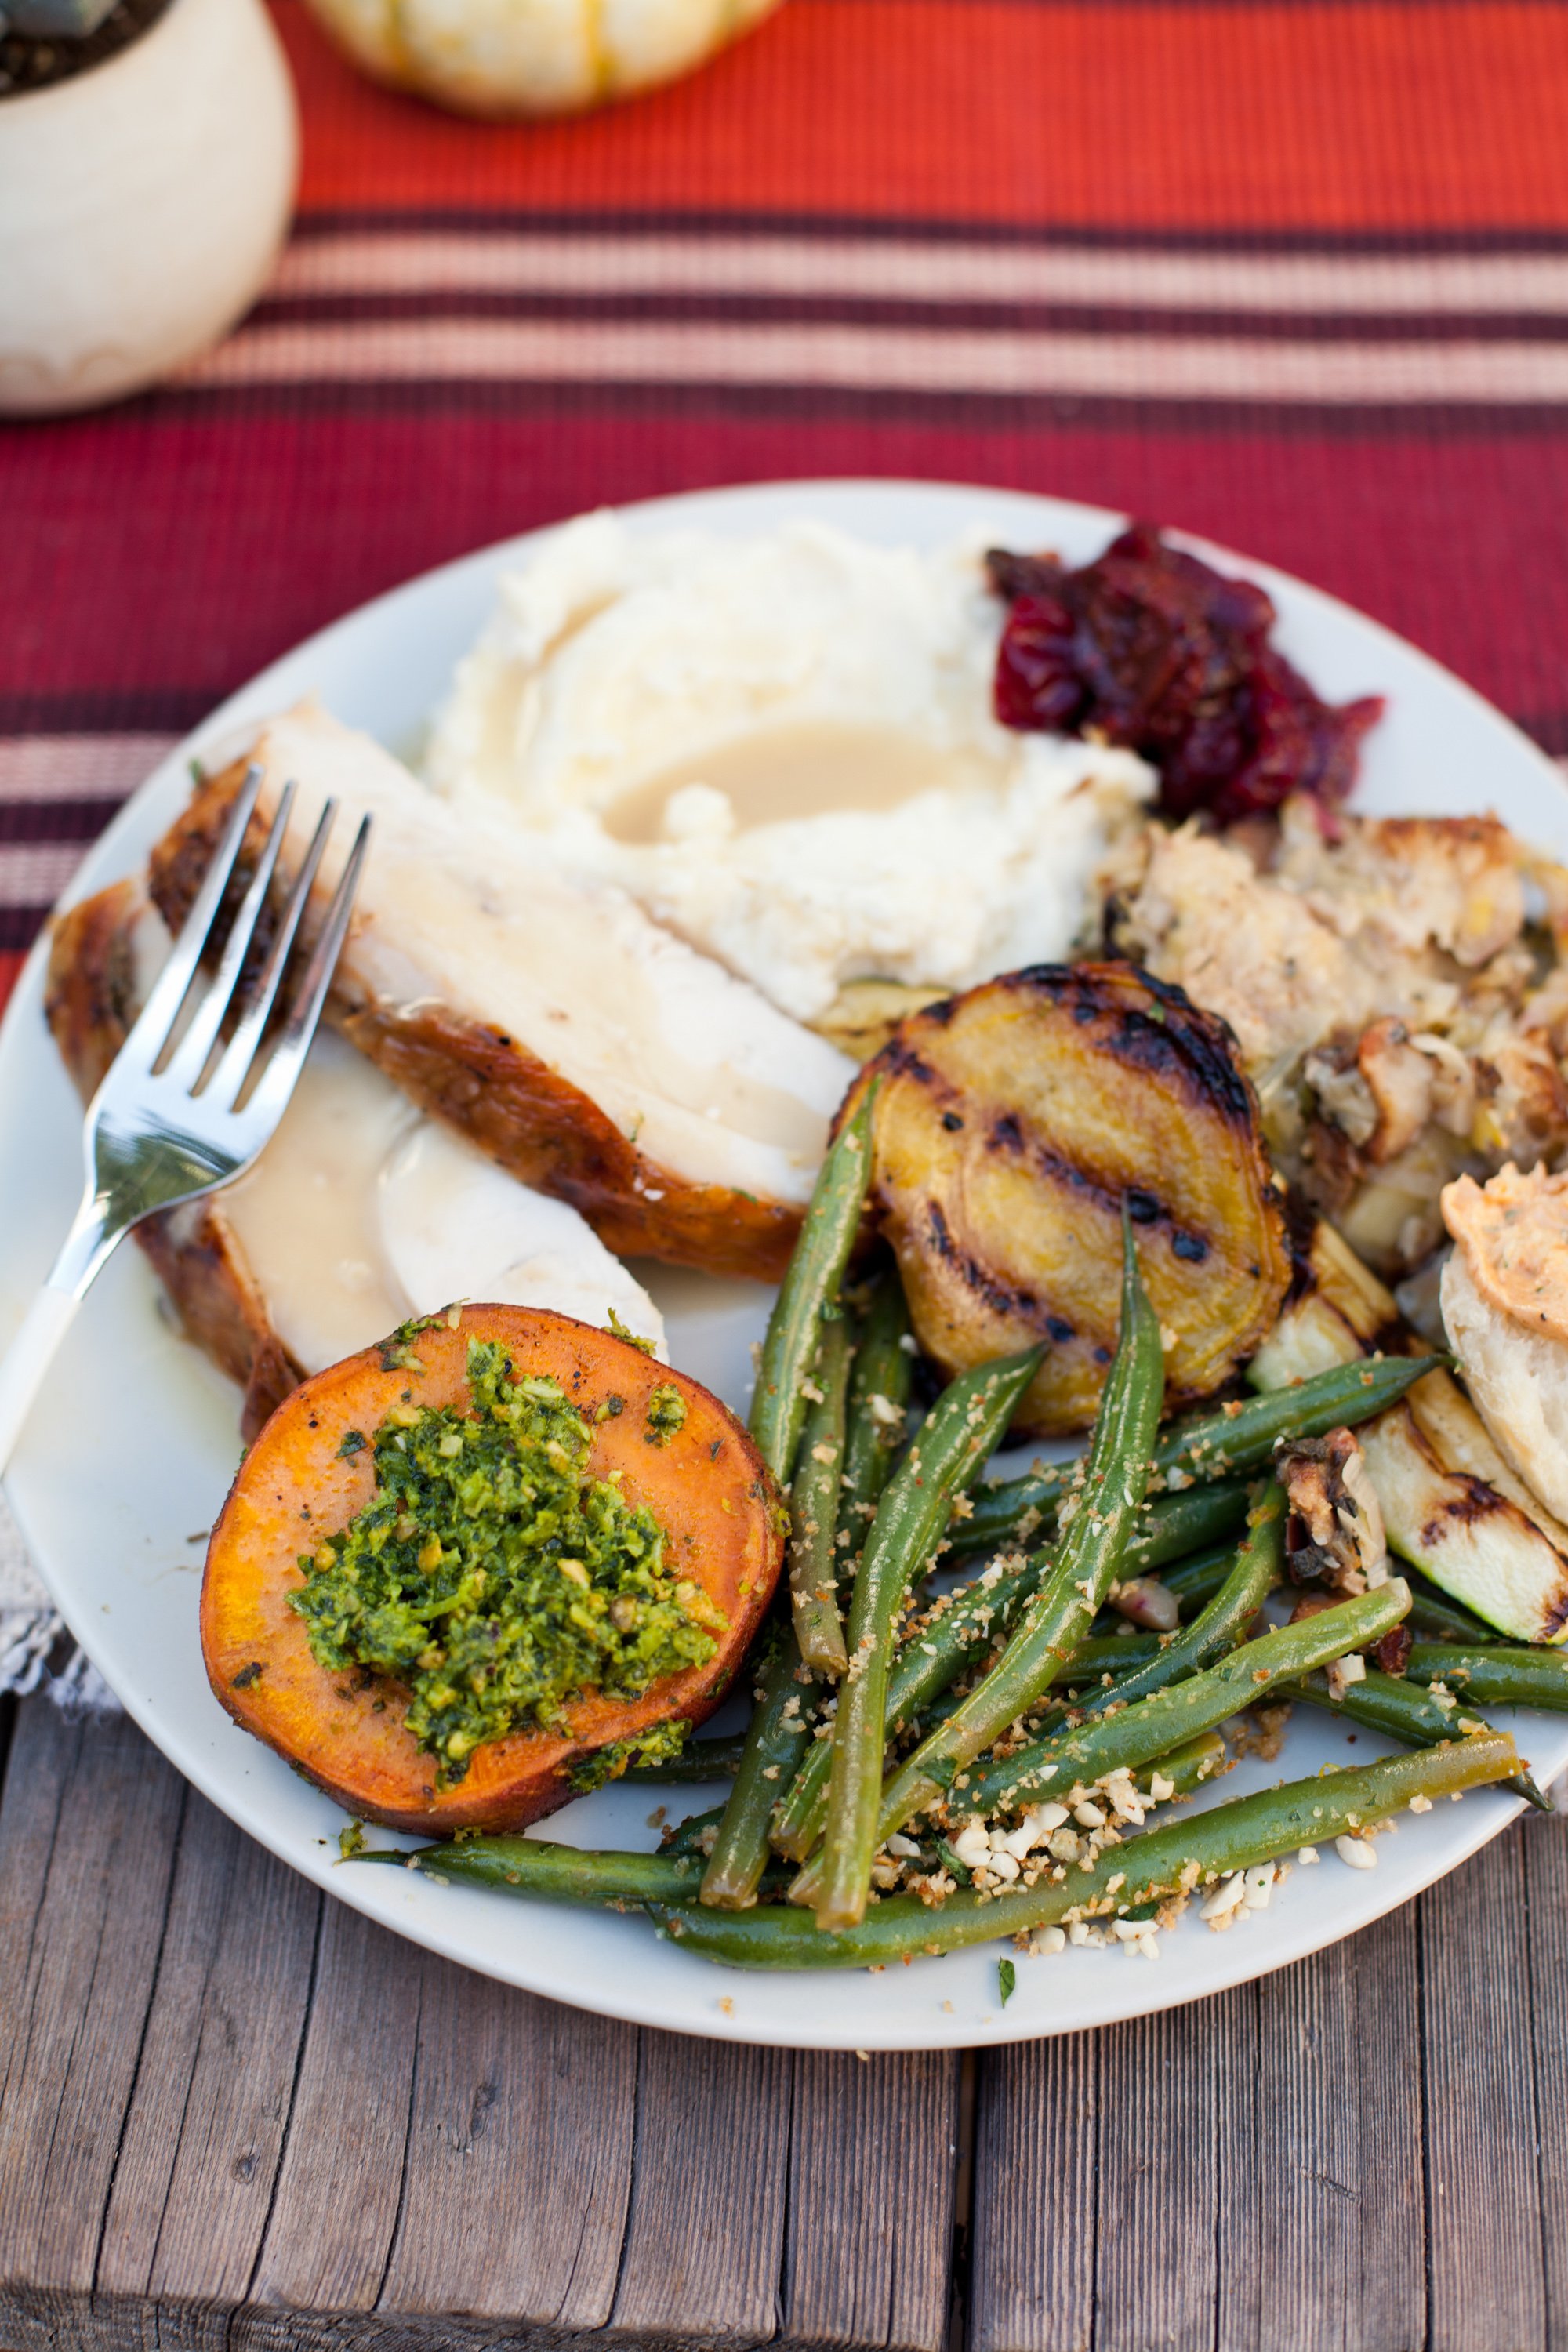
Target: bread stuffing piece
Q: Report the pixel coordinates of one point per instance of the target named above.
(1395, 990)
(1335, 1535)
(1505, 1309)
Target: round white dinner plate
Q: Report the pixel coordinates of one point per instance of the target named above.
(129, 1451)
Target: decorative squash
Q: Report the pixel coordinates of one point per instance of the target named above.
(533, 57)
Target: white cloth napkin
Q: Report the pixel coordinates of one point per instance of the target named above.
(30, 1629)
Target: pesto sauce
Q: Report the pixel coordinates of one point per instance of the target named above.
(493, 1578)
(665, 1415)
(660, 1743)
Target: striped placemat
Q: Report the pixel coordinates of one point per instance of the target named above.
(1293, 274)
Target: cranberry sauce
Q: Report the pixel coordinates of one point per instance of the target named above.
(1153, 650)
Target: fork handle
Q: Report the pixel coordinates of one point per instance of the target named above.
(27, 1359)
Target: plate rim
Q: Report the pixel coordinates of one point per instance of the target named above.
(1488, 1812)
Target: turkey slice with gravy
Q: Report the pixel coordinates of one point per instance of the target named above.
(545, 1015)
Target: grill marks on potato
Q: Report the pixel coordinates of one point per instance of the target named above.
(1011, 1123)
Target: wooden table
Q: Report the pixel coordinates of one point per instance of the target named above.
(234, 2114)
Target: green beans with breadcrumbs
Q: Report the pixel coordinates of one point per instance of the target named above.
(774, 1743)
(1114, 1477)
(1404, 1711)
(1501, 1673)
(814, 1556)
(1228, 1441)
(1190, 1851)
(1257, 1564)
(810, 1289)
(933, 1653)
(959, 1433)
(1150, 1725)
(880, 1381)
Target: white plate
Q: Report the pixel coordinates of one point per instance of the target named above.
(133, 1442)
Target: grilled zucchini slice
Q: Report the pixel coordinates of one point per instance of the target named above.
(1451, 1505)
(1011, 1123)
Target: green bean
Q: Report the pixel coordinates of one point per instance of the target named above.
(809, 1288)
(687, 1836)
(958, 1435)
(561, 1873)
(1188, 1852)
(1191, 1578)
(1150, 1725)
(883, 1369)
(777, 1731)
(1403, 1711)
(1172, 1527)
(1259, 1562)
(1435, 1618)
(775, 1740)
(1194, 1581)
(569, 1873)
(1095, 1665)
(1108, 1653)
(1114, 1474)
(940, 1643)
(1191, 1766)
(933, 1653)
(814, 1509)
(1507, 1673)
(1235, 1438)
(703, 1760)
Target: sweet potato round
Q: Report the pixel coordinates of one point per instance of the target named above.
(708, 1489)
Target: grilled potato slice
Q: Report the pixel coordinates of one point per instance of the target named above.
(1011, 1123)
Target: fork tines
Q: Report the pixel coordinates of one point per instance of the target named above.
(181, 1061)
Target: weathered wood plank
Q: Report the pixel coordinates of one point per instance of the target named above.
(518, 2157)
(1160, 2080)
(1319, 2214)
(704, 2248)
(1545, 1844)
(205, 2130)
(88, 1832)
(1032, 2232)
(873, 2168)
(1216, 2175)
(1486, 2260)
(452, 2165)
(339, 2185)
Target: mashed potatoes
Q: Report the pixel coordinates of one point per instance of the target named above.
(783, 747)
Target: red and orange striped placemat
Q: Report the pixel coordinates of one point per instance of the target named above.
(1292, 274)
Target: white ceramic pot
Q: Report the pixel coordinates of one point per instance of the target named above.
(142, 204)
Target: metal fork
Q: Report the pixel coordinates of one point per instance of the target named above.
(170, 1123)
